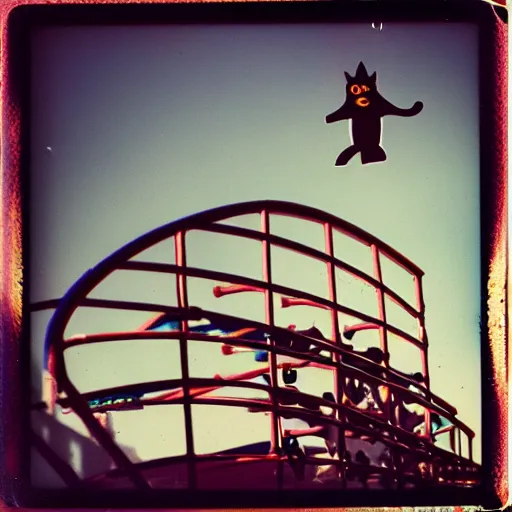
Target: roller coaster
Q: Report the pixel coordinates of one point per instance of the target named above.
(378, 428)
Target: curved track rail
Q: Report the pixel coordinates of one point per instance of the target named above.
(409, 451)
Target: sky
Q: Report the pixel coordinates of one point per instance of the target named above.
(135, 127)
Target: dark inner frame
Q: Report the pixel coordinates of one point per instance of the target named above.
(16, 382)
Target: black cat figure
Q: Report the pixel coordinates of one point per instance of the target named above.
(365, 107)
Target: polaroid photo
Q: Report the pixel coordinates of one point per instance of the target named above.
(255, 255)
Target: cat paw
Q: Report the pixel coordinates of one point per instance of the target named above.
(417, 107)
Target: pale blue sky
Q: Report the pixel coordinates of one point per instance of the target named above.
(149, 124)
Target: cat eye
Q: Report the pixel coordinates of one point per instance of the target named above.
(365, 88)
(355, 89)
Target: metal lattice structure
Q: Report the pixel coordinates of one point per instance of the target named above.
(414, 457)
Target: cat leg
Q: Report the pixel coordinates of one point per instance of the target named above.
(346, 155)
(373, 155)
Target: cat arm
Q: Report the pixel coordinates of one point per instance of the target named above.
(339, 115)
(388, 109)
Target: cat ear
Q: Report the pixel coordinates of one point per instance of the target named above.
(373, 77)
(361, 71)
(348, 77)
